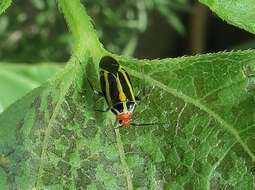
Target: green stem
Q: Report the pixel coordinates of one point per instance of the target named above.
(79, 23)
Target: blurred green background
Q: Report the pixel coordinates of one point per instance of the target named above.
(35, 31)
(35, 41)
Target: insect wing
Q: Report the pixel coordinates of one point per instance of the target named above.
(109, 64)
(126, 84)
(109, 87)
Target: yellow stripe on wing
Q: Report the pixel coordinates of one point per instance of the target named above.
(128, 82)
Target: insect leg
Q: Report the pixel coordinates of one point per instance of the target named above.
(117, 125)
(146, 124)
(95, 91)
(108, 109)
(137, 98)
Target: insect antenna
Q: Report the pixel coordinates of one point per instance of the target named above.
(146, 124)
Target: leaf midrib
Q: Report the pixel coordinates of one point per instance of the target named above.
(123, 160)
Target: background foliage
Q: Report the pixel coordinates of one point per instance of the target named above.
(36, 31)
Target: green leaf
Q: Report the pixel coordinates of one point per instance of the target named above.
(54, 139)
(209, 103)
(239, 13)
(207, 140)
(4, 4)
(16, 80)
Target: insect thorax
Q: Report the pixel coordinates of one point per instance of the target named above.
(123, 107)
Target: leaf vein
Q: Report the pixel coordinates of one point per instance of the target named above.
(199, 105)
(51, 121)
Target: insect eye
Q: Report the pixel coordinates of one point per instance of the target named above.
(131, 106)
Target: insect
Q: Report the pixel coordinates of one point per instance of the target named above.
(118, 91)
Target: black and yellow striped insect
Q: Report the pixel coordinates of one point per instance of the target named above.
(117, 89)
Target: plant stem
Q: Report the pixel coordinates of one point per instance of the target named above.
(79, 23)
